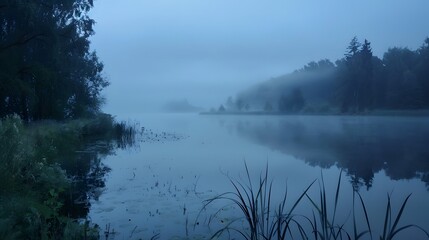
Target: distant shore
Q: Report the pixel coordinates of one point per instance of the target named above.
(393, 113)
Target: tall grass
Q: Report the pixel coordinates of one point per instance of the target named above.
(391, 228)
(325, 226)
(106, 127)
(264, 219)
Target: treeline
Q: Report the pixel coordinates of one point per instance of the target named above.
(47, 70)
(398, 81)
(359, 82)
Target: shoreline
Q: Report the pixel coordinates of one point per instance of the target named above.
(376, 113)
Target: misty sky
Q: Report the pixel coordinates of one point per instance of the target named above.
(155, 51)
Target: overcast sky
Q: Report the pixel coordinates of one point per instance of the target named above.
(206, 50)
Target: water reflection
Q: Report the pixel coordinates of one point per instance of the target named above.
(362, 146)
(84, 166)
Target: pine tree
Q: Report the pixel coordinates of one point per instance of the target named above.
(353, 48)
(349, 69)
(365, 91)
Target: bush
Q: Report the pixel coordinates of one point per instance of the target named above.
(33, 183)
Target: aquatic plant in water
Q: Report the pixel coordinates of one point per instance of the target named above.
(261, 218)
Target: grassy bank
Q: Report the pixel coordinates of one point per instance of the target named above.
(39, 166)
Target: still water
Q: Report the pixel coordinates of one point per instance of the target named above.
(159, 185)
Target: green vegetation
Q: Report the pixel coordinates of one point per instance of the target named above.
(48, 74)
(358, 83)
(263, 219)
(47, 70)
(40, 178)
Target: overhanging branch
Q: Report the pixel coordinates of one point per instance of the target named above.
(22, 41)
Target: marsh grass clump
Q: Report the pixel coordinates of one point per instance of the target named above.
(126, 133)
(262, 218)
(106, 127)
(325, 224)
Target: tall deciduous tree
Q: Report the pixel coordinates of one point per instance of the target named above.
(401, 81)
(47, 69)
(422, 71)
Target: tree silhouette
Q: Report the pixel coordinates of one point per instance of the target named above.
(292, 103)
(357, 83)
(268, 107)
(239, 104)
(356, 76)
(221, 108)
(47, 69)
(365, 94)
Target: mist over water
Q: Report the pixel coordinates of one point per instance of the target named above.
(254, 60)
(143, 119)
(156, 52)
(149, 187)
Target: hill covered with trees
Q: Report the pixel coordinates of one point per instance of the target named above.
(357, 83)
(47, 70)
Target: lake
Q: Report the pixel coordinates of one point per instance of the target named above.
(159, 185)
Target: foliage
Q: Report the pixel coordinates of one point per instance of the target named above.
(357, 83)
(47, 69)
(37, 165)
(356, 77)
(29, 198)
(293, 103)
(221, 108)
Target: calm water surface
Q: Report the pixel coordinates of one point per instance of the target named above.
(183, 159)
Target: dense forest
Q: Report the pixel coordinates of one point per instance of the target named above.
(47, 70)
(358, 83)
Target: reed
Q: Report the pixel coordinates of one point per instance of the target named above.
(262, 218)
(326, 226)
(391, 230)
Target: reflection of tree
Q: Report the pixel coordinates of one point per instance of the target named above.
(85, 169)
(87, 172)
(425, 178)
(362, 146)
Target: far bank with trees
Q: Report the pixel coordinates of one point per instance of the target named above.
(358, 83)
